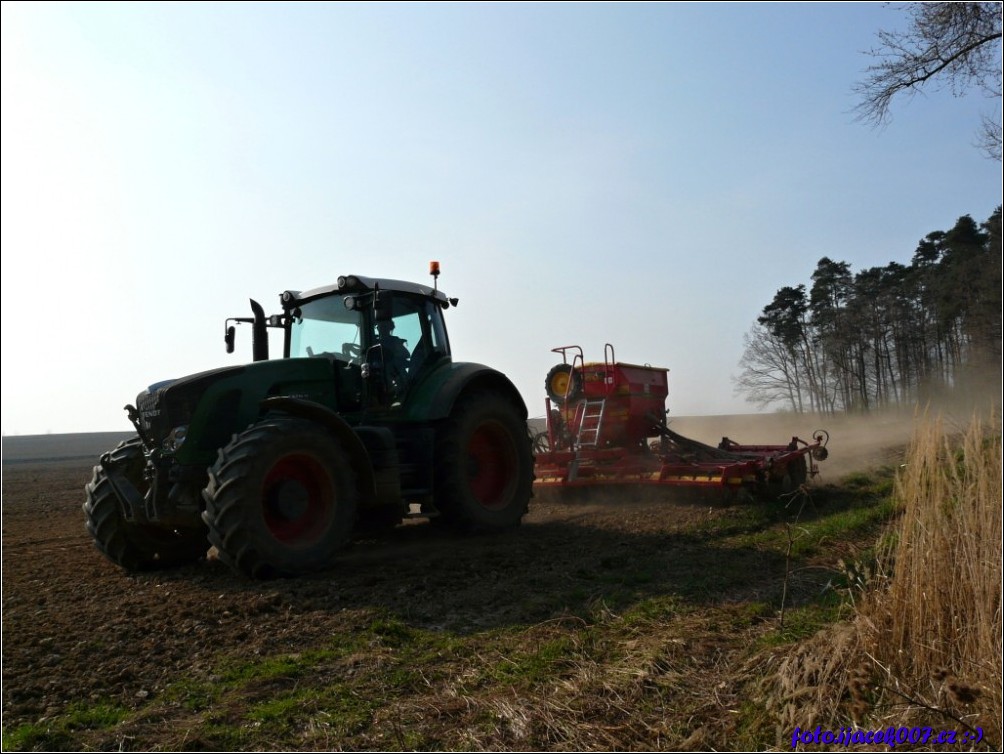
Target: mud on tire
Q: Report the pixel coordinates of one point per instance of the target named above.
(281, 498)
(134, 546)
(484, 464)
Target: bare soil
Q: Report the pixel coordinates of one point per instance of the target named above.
(79, 631)
(77, 627)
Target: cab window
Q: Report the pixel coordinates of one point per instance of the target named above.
(324, 327)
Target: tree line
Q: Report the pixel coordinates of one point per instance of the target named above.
(885, 335)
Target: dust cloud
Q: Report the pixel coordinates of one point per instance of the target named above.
(858, 442)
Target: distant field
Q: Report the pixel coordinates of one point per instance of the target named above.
(38, 448)
(55, 447)
(856, 442)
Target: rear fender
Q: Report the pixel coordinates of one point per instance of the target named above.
(435, 397)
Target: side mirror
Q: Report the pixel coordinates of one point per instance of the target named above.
(228, 338)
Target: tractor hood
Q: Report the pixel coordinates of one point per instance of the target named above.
(192, 417)
(171, 403)
(163, 383)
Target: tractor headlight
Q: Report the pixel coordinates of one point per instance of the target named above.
(176, 438)
(347, 281)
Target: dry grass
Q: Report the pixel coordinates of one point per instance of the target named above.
(938, 626)
(925, 646)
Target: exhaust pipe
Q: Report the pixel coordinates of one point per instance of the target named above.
(259, 335)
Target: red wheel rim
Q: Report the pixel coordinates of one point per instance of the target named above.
(492, 465)
(298, 499)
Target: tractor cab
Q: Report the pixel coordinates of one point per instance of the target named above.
(383, 335)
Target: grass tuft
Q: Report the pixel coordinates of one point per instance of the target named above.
(924, 644)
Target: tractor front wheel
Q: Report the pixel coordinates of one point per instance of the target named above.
(281, 499)
(484, 464)
(131, 545)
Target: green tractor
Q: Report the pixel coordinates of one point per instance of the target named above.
(276, 464)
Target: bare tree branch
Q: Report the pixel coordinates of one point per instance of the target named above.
(947, 44)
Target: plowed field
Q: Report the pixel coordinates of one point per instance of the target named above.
(419, 639)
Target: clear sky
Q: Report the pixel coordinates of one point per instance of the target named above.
(641, 174)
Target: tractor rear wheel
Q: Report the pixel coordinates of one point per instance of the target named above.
(484, 464)
(281, 498)
(131, 545)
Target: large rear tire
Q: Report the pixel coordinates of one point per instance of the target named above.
(281, 499)
(134, 546)
(484, 464)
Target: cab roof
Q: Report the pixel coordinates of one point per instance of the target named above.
(360, 284)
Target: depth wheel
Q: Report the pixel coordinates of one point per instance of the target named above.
(795, 475)
(563, 384)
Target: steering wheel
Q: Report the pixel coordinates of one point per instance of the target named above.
(353, 351)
